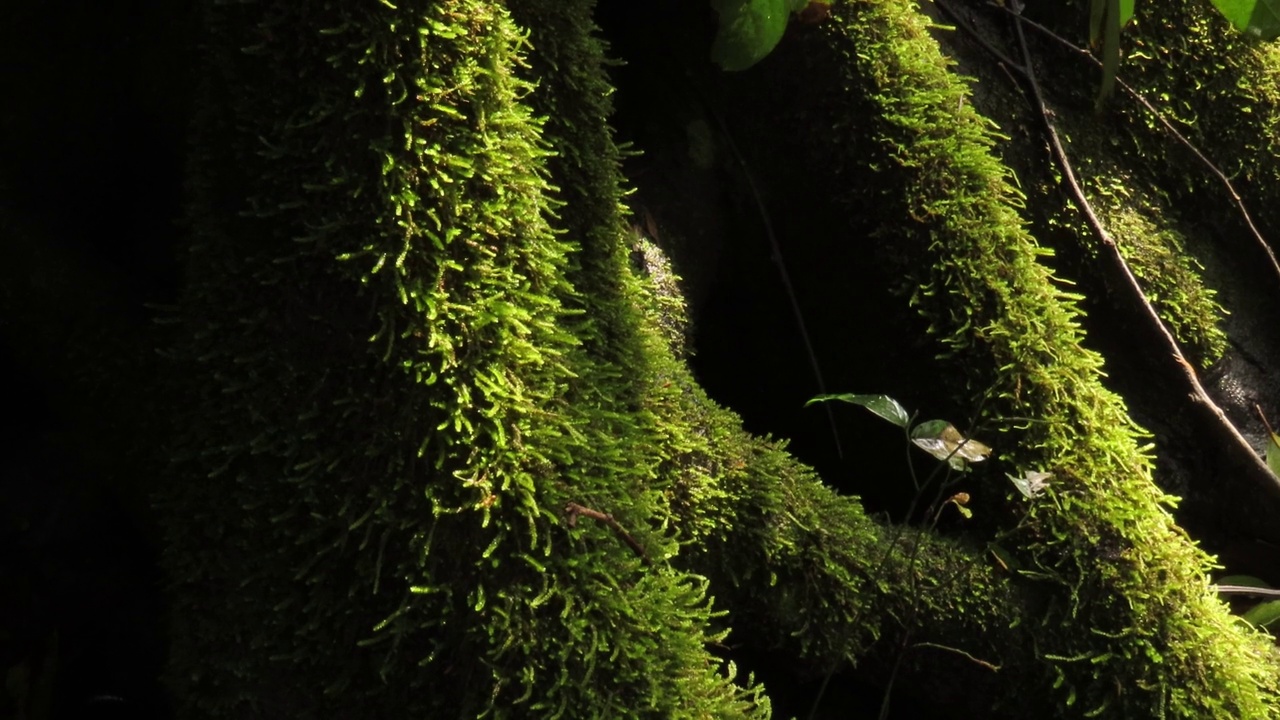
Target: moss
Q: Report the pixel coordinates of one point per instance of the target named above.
(666, 295)
(800, 569)
(1147, 229)
(413, 336)
(1171, 280)
(1220, 88)
(952, 213)
(398, 388)
(1140, 183)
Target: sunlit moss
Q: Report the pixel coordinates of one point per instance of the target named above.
(1126, 605)
(1222, 90)
(413, 335)
(404, 364)
(1170, 279)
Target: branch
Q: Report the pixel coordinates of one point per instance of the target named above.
(573, 510)
(990, 666)
(1139, 98)
(1251, 465)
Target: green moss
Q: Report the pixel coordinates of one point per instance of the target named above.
(412, 337)
(1125, 188)
(1125, 600)
(1171, 281)
(398, 388)
(800, 569)
(1146, 227)
(666, 294)
(1221, 89)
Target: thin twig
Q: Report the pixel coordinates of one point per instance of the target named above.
(1263, 418)
(573, 510)
(1198, 393)
(1257, 469)
(1244, 590)
(958, 651)
(1134, 95)
(1173, 131)
(976, 36)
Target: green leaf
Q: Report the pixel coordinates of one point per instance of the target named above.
(1273, 453)
(1106, 19)
(749, 30)
(1243, 580)
(1097, 16)
(1263, 614)
(882, 405)
(940, 439)
(1110, 51)
(1260, 18)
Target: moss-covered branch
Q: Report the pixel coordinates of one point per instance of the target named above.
(413, 336)
(952, 211)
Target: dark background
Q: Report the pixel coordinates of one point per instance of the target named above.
(92, 127)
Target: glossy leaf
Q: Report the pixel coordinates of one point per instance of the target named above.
(1260, 18)
(940, 439)
(882, 405)
(749, 30)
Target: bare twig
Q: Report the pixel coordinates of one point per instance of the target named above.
(958, 651)
(1210, 412)
(573, 510)
(1244, 590)
(1213, 169)
(1006, 62)
(1263, 418)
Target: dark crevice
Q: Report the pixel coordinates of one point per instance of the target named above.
(723, 159)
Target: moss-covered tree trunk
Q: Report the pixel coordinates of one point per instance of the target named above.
(438, 452)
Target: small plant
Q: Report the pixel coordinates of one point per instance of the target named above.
(939, 438)
(944, 442)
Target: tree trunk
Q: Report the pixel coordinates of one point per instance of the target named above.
(439, 450)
